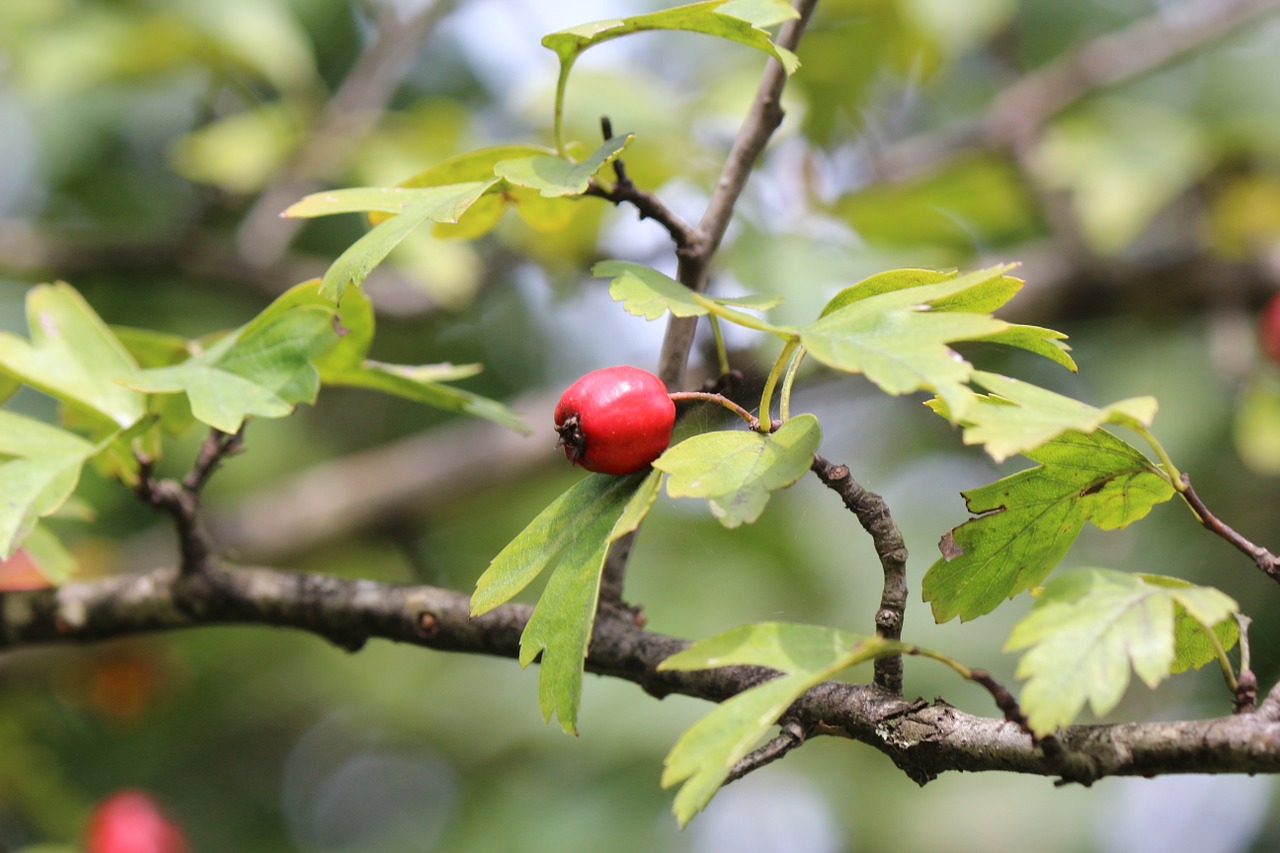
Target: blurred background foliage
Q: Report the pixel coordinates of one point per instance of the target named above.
(148, 146)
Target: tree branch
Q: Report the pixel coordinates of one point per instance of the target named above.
(874, 517)
(1262, 558)
(922, 739)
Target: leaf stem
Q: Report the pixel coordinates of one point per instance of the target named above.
(719, 400)
(784, 400)
(722, 354)
(766, 398)
(1262, 558)
(561, 84)
(1171, 472)
(1228, 673)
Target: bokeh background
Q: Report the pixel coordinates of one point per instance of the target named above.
(147, 148)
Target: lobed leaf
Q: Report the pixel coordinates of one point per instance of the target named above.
(423, 384)
(737, 470)
(556, 177)
(39, 469)
(739, 21)
(72, 356)
(1090, 627)
(647, 293)
(1021, 416)
(263, 368)
(806, 655)
(891, 329)
(450, 200)
(1045, 342)
(354, 265)
(1026, 522)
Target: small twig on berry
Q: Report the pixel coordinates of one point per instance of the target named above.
(719, 400)
(1266, 561)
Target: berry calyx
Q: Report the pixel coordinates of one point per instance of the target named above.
(131, 822)
(615, 420)
(1269, 330)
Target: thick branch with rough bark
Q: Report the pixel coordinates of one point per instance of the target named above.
(924, 739)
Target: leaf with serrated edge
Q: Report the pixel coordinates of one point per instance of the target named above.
(73, 356)
(423, 384)
(560, 627)
(1086, 630)
(805, 654)
(898, 339)
(450, 200)
(555, 177)
(1045, 342)
(706, 18)
(40, 469)
(987, 290)
(264, 368)
(647, 293)
(736, 470)
(353, 266)
(1037, 415)
(1195, 608)
(1026, 522)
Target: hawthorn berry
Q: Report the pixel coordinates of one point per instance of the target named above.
(615, 420)
(1269, 329)
(131, 822)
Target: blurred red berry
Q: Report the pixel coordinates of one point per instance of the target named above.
(615, 420)
(131, 822)
(1269, 329)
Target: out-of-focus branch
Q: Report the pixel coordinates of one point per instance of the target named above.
(922, 739)
(349, 116)
(1019, 113)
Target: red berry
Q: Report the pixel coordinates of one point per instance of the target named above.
(131, 822)
(616, 420)
(1269, 329)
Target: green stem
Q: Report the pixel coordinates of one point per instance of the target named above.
(741, 319)
(722, 354)
(561, 84)
(1228, 672)
(784, 401)
(1171, 472)
(766, 398)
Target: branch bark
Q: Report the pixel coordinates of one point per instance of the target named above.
(923, 739)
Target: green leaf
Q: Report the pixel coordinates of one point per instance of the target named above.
(582, 523)
(897, 334)
(560, 627)
(51, 557)
(264, 368)
(806, 655)
(72, 356)
(422, 384)
(987, 290)
(1045, 342)
(555, 177)
(736, 470)
(647, 293)
(1089, 627)
(1195, 608)
(39, 469)
(1028, 521)
(354, 265)
(738, 21)
(449, 201)
(1021, 416)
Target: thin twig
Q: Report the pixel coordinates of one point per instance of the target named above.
(1020, 112)
(762, 120)
(217, 446)
(873, 515)
(790, 737)
(1262, 558)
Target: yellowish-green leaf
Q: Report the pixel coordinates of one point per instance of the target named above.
(73, 356)
(556, 177)
(1022, 416)
(1089, 628)
(737, 470)
(806, 655)
(1026, 522)
(647, 293)
(897, 336)
(39, 468)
